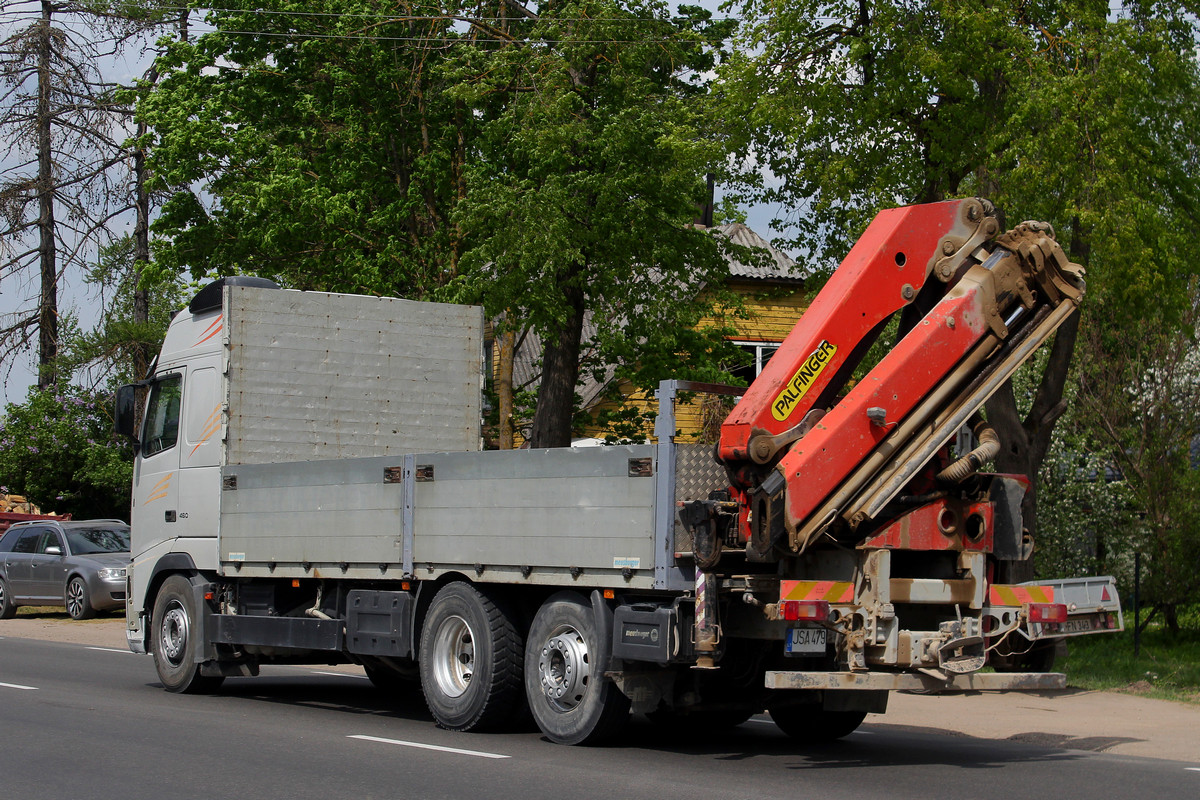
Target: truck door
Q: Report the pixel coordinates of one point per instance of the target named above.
(156, 471)
(200, 450)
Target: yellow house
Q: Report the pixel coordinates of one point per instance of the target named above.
(773, 293)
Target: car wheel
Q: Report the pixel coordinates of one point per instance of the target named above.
(470, 660)
(8, 608)
(79, 605)
(173, 639)
(571, 700)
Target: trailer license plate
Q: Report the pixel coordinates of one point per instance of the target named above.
(805, 641)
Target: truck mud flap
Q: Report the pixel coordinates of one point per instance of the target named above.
(379, 623)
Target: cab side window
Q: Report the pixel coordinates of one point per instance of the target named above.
(162, 416)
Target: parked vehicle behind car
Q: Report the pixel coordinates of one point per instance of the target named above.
(80, 565)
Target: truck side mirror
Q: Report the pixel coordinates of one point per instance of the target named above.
(125, 412)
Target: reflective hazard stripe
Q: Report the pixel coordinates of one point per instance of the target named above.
(832, 591)
(1001, 595)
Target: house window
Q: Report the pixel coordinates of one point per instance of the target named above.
(758, 354)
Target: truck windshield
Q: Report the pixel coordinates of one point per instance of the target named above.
(98, 540)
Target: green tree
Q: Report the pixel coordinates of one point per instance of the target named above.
(59, 450)
(137, 311)
(1055, 110)
(592, 152)
(546, 162)
(1139, 398)
(317, 146)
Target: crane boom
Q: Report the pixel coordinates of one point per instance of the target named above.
(807, 454)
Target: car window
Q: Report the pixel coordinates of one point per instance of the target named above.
(50, 539)
(98, 540)
(28, 543)
(8, 540)
(162, 415)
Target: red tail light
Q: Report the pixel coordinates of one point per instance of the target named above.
(1047, 612)
(808, 610)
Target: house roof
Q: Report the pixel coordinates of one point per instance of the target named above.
(779, 265)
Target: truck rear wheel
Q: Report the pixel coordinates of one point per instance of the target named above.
(813, 725)
(571, 700)
(174, 639)
(470, 659)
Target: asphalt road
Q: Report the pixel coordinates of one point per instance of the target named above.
(87, 722)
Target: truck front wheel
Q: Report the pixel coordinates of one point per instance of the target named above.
(571, 700)
(174, 642)
(470, 659)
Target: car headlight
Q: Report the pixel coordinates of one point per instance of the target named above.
(114, 574)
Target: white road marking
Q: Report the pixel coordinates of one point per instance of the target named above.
(341, 675)
(1192, 769)
(112, 650)
(18, 686)
(421, 746)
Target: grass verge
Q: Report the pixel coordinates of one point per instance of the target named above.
(1168, 666)
(59, 614)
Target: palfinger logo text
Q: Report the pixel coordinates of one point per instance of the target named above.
(804, 378)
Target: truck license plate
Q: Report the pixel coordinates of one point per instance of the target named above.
(805, 641)
(1079, 625)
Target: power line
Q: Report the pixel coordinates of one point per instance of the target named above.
(465, 39)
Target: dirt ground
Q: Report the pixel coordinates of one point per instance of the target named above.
(1072, 719)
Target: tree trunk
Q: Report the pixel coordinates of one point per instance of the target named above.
(47, 254)
(560, 372)
(504, 387)
(141, 250)
(141, 232)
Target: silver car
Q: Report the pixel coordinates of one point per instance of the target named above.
(80, 565)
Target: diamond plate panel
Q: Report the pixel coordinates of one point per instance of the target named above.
(697, 474)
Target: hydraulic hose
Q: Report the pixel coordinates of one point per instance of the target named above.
(968, 465)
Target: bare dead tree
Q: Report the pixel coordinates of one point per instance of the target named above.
(65, 160)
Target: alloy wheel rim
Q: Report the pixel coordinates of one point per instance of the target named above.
(454, 656)
(74, 598)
